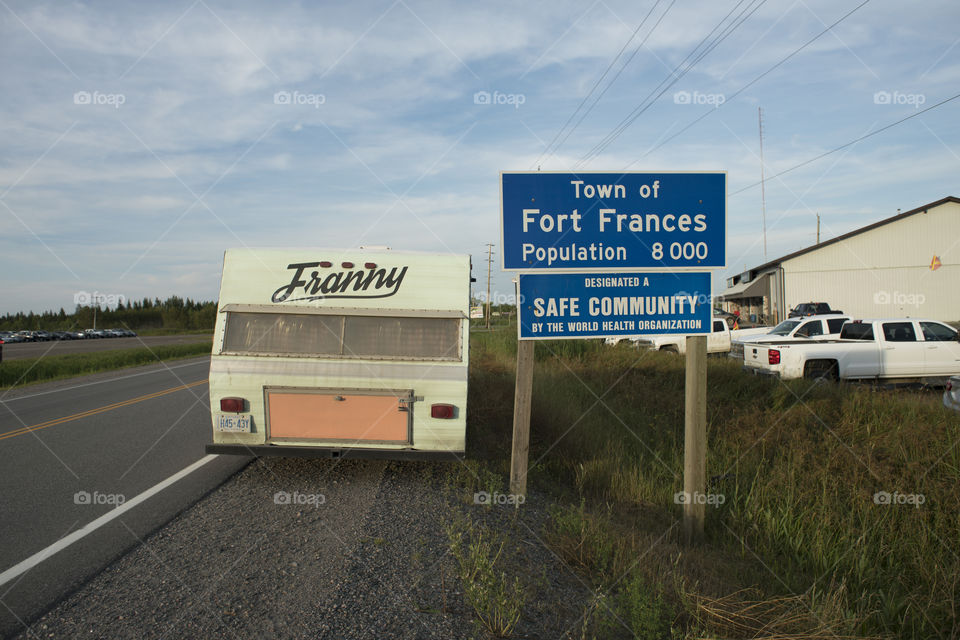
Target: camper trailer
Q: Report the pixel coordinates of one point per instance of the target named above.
(341, 353)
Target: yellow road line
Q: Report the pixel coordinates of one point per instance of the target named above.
(91, 412)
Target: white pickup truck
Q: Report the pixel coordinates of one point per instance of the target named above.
(718, 340)
(822, 327)
(893, 350)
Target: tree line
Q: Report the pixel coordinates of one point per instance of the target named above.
(173, 313)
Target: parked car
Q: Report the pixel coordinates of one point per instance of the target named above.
(951, 395)
(724, 315)
(891, 350)
(811, 309)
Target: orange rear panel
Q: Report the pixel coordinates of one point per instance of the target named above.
(327, 416)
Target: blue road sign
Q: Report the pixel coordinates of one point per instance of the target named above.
(568, 221)
(604, 304)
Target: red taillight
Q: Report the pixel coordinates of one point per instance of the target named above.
(326, 263)
(444, 411)
(231, 405)
(346, 265)
(773, 356)
(370, 265)
(949, 383)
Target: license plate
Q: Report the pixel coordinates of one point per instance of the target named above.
(235, 423)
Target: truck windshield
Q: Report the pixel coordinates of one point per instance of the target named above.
(784, 327)
(342, 336)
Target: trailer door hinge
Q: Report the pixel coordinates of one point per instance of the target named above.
(405, 404)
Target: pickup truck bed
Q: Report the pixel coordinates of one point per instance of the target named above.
(819, 328)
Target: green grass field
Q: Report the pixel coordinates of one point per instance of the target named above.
(803, 545)
(29, 370)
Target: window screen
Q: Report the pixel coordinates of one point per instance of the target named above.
(341, 336)
(400, 337)
(282, 333)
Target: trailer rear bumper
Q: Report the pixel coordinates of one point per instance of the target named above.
(263, 450)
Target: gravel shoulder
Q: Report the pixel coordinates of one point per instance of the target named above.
(348, 549)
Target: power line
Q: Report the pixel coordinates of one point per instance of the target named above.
(650, 99)
(597, 83)
(600, 79)
(852, 142)
(759, 77)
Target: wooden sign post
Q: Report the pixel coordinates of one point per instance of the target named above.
(695, 440)
(521, 418)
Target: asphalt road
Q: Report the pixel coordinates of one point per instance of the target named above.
(73, 450)
(16, 350)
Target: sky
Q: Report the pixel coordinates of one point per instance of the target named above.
(140, 140)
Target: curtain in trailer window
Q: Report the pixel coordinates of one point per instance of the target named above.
(341, 336)
(401, 337)
(283, 333)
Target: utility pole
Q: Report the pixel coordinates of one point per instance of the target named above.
(763, 194)
(818, 227)
(489, 261)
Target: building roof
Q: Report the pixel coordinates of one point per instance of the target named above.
(869, 227)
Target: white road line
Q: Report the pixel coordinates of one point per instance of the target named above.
(87, 384)
(66, 541)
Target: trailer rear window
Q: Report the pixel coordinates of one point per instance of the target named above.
(342, 336)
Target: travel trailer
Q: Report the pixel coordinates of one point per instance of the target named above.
(341, 353)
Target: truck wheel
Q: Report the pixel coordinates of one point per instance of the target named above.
(821, 370)
(670, 349)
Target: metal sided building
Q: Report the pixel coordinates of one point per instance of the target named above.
(341, 353)
(905, 265)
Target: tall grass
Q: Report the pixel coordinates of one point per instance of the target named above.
(801, 467)
(27, 370)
